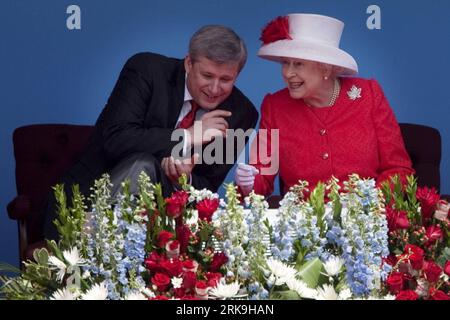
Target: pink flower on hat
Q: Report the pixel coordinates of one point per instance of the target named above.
(277, 29)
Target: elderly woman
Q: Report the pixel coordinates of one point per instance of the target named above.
(329, 125)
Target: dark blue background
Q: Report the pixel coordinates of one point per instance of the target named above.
(50, 74)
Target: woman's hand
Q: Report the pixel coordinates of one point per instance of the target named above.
(245, 177)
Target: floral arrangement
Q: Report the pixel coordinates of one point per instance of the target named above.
(277, 29)
(419, 242)
(352, 242)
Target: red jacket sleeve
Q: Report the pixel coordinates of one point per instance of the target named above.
(263, 151)
(393, 157)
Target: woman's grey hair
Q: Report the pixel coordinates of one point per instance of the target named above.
(219, 44)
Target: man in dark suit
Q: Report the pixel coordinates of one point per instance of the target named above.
(156, 95)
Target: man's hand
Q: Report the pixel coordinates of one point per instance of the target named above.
(174, 169)
(213, 125)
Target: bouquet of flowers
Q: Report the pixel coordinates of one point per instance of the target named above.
(329, 246)
(126, 247)
(419, 242)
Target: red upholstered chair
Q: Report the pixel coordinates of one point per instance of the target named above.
(423, 144)
(43, 153)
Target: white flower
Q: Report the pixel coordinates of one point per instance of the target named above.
(301, 288)
(97, 292)
(333, 266)
(60, 266)
(149, 293)
(327, 292)
(176, 282)
(345, 294)
(281, 271)
(73, 257)
(354, 93)
(63, 294)
(223, 290)
(135, 296)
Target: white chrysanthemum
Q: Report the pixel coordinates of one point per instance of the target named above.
(60, 266)
(223, 290)
(345, 294)
(176, 282)
(135, 296)
(281, 271)
(63, 294)
(73, 257)
(97, 292)
(327, 292)
(301, 288)
(333, 266)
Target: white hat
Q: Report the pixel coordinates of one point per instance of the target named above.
(309, 37)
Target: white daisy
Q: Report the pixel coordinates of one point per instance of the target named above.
(223, 290)
(345, 294)
(59, 265)
(73, 257)
(63, 294)
(97, 292)
(281, 271)
(327, 292)
(301, 288)
(176, 282)
(333, 266)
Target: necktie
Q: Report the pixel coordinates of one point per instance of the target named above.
(189, 118)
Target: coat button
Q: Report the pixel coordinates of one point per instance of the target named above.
(323, 132)
(325, 156)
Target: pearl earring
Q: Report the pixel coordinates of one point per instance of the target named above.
(325, 77)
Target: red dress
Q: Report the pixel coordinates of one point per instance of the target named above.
(359, 135)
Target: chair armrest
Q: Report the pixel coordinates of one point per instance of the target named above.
(19, 208)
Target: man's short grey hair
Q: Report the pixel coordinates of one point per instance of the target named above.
(219, 44)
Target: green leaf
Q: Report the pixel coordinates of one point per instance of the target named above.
(310, 272)
(285, 295)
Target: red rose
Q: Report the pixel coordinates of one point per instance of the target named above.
(407, 295)
(189, 280)
(172, 267)
(153, 262)
(206, 208)
(277, 29)
(183, 235)
(415, 254)
(432, 271)
(164, 237)
(218, 261)
(438, 295)
(434, 234)
(395, 282)
(175, 204)
(161, 281)
(447, 268)
(190, 266)
(201, 289)
(396, 219)
(179, 293)
(213, 278)
(428, 199)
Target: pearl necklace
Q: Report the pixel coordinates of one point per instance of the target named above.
(335, 94)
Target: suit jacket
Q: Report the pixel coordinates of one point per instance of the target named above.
(141, 114)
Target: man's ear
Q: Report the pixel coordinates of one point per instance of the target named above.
(188, 64)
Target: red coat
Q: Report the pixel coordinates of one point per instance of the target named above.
(353, 136)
